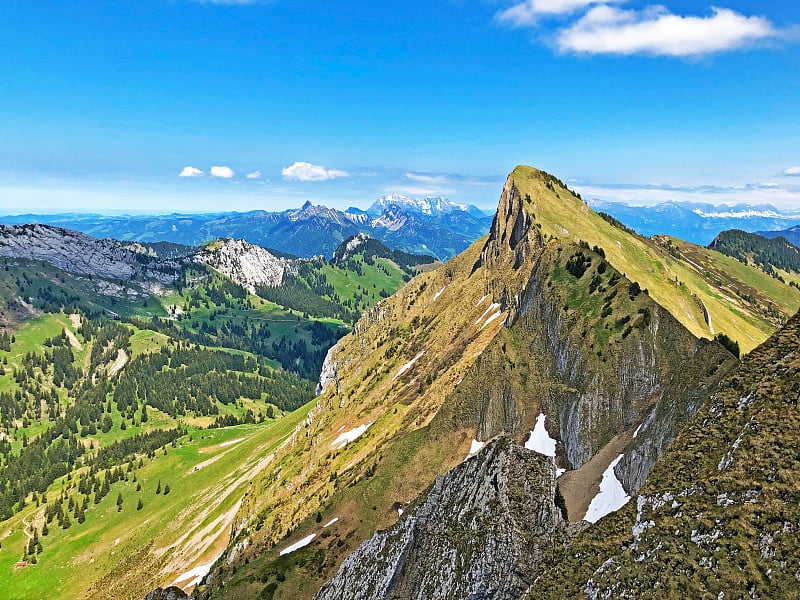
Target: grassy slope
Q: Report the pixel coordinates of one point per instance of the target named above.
(127, 543)
(673, 281)
(399, 454)
(125, 554)
(408, 444)
(372, 282)
(132, 544)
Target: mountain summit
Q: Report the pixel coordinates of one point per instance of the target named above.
(560, 332)
(438, 205)
(434, 226)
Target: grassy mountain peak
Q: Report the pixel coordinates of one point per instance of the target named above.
(529, 320)
(706, 291)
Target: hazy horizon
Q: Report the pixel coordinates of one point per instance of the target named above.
(200, 104)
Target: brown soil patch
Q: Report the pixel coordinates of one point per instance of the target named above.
(581, 485)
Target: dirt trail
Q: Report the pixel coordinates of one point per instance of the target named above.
(203, 541)
(121, 360)
(73, 341)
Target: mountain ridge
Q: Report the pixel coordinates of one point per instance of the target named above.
(558, 326)
(696, 222)
(308, 231)
(452, 360)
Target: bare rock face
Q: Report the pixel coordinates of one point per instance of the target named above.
(248, 265)
(479, 532)
(170, 593)
(79, 253)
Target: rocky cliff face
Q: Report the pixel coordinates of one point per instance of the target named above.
(144, 267)
(84, 255)
(248, 265)
(719, 513)
(589, 349)
(478, 532)
(649, 376)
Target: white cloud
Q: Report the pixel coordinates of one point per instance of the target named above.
(254, 175)
(792, 171)
(657, 32)
(451, 179)
(420, 191)
(221, 172)
(527, 13)
(303, 171)
(190, 172)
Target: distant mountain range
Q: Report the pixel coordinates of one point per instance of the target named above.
(791, 235)
(432, 226)
(700, 223)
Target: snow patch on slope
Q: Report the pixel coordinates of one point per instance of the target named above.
(492, 307)
(610, 498)
(408, 365)
(492, 318)
(474, 448)
(299, 544)
(196, 575)
(540, 441)
(350, 436)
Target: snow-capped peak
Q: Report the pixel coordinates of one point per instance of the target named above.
(428, 206)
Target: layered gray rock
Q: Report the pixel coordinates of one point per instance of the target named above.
(248, 265)
(81, 254)
(478, 532)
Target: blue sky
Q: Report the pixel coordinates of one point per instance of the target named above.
(105, 104)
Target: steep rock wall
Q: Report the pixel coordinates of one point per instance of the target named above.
(476, 533)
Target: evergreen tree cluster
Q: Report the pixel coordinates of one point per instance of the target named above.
(769, 254)
(183, 379)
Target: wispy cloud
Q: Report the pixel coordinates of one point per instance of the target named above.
(792, 171)
(190, 172)
(221, 172)
(428, 179)
(598, 27)
(303, 171)
(450, 178)
(254, 175)
(419, 191)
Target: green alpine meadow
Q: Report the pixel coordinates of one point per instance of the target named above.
(441, 300)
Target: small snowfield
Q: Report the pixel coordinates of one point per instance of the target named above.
(611, 497)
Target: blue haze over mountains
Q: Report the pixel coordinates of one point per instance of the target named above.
(430, 226)
(700, 223)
